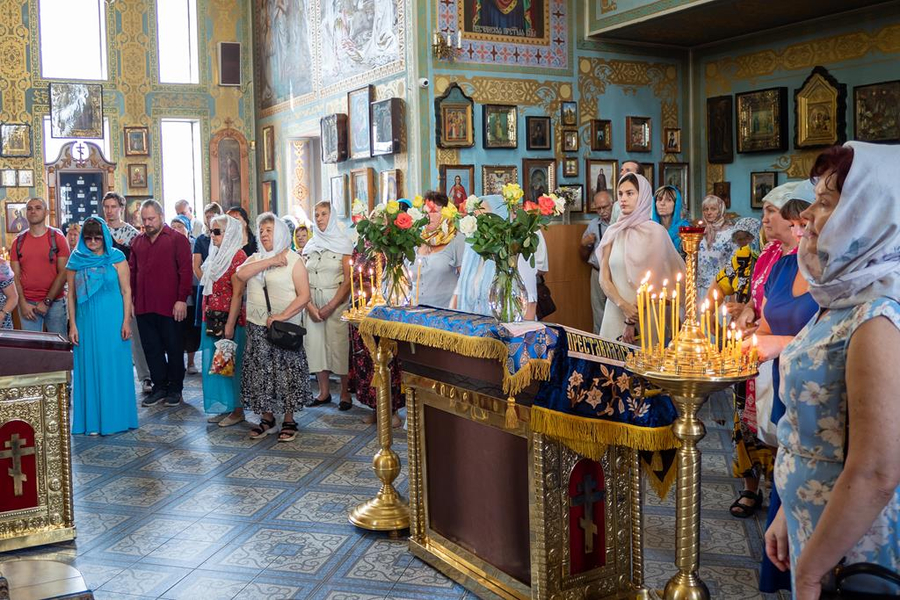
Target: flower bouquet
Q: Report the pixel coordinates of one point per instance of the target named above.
(571, 195)
(395, 235)
(504, 240)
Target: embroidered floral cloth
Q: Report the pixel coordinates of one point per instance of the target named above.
(524, 351)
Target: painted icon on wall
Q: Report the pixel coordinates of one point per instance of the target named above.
(26, 178)
(568, 114)
(672, 140)
(334, 138)
(719, 130)
(540, 133)
(362, 186)
(637, 131)
(76, 110)
(494, 177)
(500, 126)
(601, 134)
(676, 174)
(505, 20)
(453, 112)
(285, 43)
(137, 141)
(601, 175)
(539, 177)
(357, 37)
(457, 181)
(570, 166)
(269, 200)
(358, 102)
(230, 176)
(762, 120)
(570, 140)
(385, 122)
(137, 176)
(268, 134)
(820, 106)
(876, 112)
(15, 218)
(761, 183)
(15, 140)
(389, 185)
(339, 196)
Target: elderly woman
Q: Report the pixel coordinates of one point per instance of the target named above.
(716, 247)
(73, 233)
(250, 244)
(274, 379)
(223, 317)
(667, 211)
(327, 340)
(630, 248)
(99, 305)
(439, 258)
(302, 234)
(476, 274)
(838, 465)
(9, 297)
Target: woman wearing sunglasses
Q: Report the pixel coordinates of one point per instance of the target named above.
(99, 305)
(224, 317)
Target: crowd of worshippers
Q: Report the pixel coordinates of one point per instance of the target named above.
(817, 280)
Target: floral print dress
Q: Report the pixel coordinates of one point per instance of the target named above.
(811, 434)
(711, 259)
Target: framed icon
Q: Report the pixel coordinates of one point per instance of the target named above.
(601, 134)
(15, 140)
(761, 183)
(334, 138)
(137, 175)
(539, 177)
(25, 178)
(457, 181)
(720, 130)
(762, 121)
(601, 175)
(8, 178)
(385, 117)
(672, 140)
(15, 217)
(569, 114)
(570, 140)
(358, 129)
(339, 194)
(500, 123)
(76, 110)
(453, 113)
(269, 201)
(389, 185)
(268, 134)
(137, 141)
(677, 175)
(494, 177)
(570, 166)
(637, 132)
(876, 112)
(540, 133)
(820, 108)
(362, 186)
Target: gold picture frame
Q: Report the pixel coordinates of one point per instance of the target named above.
(362, 186)
(762, 120)
(820, 106)
(494, 177)
(137, 141)
(268, 134)
(455, 123)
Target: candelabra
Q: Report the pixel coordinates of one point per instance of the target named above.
(443, 46)
(691, 367)
(360, 302)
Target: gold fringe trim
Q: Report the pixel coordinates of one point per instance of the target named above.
(512, 417)
(474, 347)
(584, 431)
(661, 487)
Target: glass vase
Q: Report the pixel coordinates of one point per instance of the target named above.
(397, 286)
(508, 298)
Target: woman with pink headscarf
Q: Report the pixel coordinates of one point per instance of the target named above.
(632, 246)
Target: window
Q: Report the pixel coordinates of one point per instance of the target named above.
(53, 145)
(182, 165)
(68, 56)
(176, 26)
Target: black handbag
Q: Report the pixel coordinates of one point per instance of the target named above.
(215, 323)
(281, 333)
(863, 575)
(545, 304)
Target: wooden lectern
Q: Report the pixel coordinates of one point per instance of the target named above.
(35, 452)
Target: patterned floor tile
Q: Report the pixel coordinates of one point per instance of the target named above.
(104, 595)
(261, 590)
(179, 552)
(334, 420)
(135, 491)
(356, 474)
(158, 433)
(131, 546)
(228, 499)
(717, 536)
(228, 437)
(92, 524)
(209, 530)
(317, 443)
(149, 580)
(81, 479)
(189, 462)
(322, 507)
(420, 574)
(110, 456)
(167, 527)
(300, 552)
(276, 468)
(384, 560)
(208, 585)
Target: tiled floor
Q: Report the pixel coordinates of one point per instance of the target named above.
(185, 509)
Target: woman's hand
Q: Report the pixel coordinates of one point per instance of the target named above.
(808, 585)
(746, 319)
(734, 309)
(313, 313)
(777, 542)
(325, 312)
(630, 311)
(73, 334)
(269, 321)
(229, 331)
(628, 336)
(769, 346)
(126, 330)
(279, 260)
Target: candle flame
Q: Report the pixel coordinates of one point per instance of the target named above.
(716, 295)
(665, 282)
(674, 294)
(678, 278)
(733, 326)
(724, 311)
(753, 339)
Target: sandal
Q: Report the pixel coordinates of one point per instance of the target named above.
(265, 427)
(345, 405)
(744, 511)
(322, 402)
(288, 431)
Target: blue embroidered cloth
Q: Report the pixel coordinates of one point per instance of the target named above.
(520, 346)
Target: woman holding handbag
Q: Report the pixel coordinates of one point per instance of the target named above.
(223, 317)
(838, 465)
(275, 374)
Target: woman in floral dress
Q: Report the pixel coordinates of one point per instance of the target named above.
(716, 247)
(838, 465)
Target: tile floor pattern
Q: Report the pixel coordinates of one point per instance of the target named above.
(185, 509)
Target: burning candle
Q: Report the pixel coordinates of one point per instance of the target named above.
(754, 352)
(649, 319)
(418, 279)
(716, 314)
(737, 345)
(352, 292)
(640, 308)
(677, 303)
(458, 39)
(724, 317)
(674, 314)
(661, 321)
(361, 288)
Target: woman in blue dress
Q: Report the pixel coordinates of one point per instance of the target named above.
(99, 305)
(838, 465)
(787, 307)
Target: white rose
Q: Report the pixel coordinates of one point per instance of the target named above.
(472, 203)
(358, 208)
(560, 204)
(468, 225)
(415, 213)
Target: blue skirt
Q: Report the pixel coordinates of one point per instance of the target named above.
(221, 394)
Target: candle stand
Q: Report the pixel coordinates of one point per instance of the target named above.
(690, 368)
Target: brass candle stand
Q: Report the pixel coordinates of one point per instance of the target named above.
(690, 368)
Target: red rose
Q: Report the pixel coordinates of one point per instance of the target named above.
(403, 221)
(530, 206)
(547, 205)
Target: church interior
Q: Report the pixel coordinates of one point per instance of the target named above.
(278, 105)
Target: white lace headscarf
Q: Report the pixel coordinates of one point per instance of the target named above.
(281, 239)
(219, 260)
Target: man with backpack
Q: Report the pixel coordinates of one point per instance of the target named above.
(38, 258)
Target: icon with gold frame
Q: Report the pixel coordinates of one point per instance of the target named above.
(570, 140)
(820, 106)
(876, 112)
(501, 127)
(494, 177)
(268, 134)
(762, 120)
(601, 134)
(455, 125)
(570, 166)
(638, 132)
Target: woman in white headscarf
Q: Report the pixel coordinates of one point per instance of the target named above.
(632, 246)
(716, 247)
(223, 316)
(274, 380)
(327, 340)
(838, 464)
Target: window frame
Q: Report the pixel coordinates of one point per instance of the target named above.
(193, 45)
(103, 45)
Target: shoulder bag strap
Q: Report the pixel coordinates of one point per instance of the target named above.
(266, 292)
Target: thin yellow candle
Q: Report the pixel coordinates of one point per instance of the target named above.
(754, 352)
(662, 315)
(724, 320)
(418, 279)
(352, 292)
(640, 309)
(728, 344)
(654, 312)
(738, 345)
(361, 287)
(674, 314)
(649, 320)
(716, 314)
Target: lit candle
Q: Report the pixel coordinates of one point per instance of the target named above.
(738, 345)
(352, 292)
(724, 320)
(661, 323)
(674, 314)
(677, 303)
(728, 344)
(372, 282)
(458, 39)
(649, 320)
(418, 279)
(754, 353)
(716, 314)
(361, 288)
(435, 40)
(640, 308)
(653, 317)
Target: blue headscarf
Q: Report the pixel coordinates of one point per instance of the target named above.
(677, 220)
(91, 269)
(474, 282)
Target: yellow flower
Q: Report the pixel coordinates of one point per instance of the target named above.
(512, 192)
(449, 212)
(418, 201)
(393, 207)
